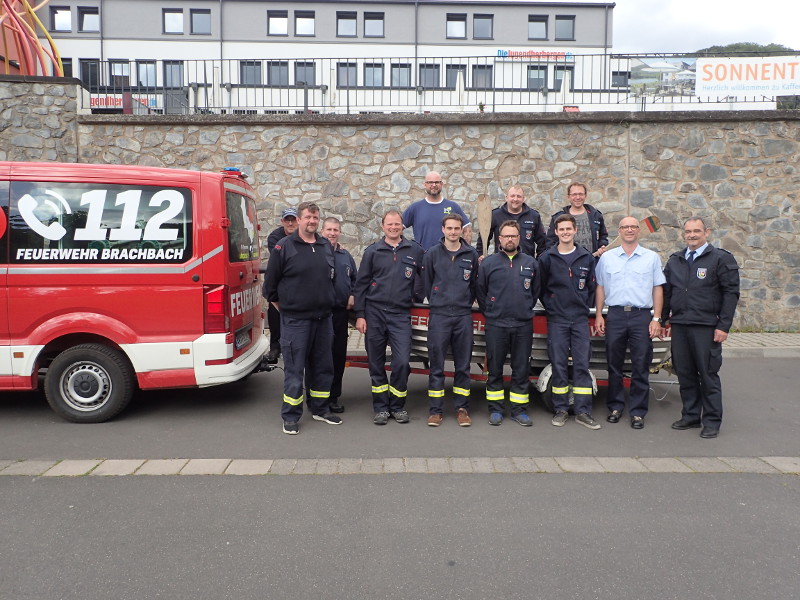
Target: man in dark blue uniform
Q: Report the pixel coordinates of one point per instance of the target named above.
(288, 227)
(568, 295)
(343, 302)
(629, 280)
(532, 236)
(384, 294)
(450, 270)
(507, 291)
(299, 283)
(700, 299)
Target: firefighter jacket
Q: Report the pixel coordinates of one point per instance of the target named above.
(387, 276)
(450, 279)
(345, 279)
(300, 277)
(532, 236)
(705, 296)
(596, 223)
(567, 288)
(508, 288)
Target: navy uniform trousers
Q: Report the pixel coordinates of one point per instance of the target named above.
(340, 333)
(392, 328)
(455, 332)
(629, 329)
(499, 342)
(565, 340)
(306, 347)
(697, 359)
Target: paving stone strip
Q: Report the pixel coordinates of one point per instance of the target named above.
(780, 465)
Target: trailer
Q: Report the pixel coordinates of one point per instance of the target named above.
(540, 368)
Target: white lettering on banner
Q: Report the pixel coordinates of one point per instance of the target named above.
(244, 301)
(740, 76)
(63, 254)
(134, 254)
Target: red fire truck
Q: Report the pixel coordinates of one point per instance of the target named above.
(118, 277)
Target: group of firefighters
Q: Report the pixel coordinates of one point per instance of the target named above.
(312, 283)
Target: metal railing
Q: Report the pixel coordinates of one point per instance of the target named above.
(515, 82)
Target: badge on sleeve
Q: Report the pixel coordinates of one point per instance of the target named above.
(409, 272)
(467, 273)
(581, 283)
(527, 284)
(701, 273)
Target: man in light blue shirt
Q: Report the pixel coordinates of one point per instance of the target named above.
(629, 280)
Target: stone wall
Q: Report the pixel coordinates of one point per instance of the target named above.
(738, 169)
(38, 119)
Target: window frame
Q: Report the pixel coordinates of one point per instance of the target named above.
(193, 12)
(544, 20)
(480, 69)
(563, 69)
(426, 68)
(531, 68)
(168, 67)
(372, 67)
(564, 19)
(349, 66)
(480, 17)
(454, 68)
(143, 81)
(305, 65)
(375, 17)
(280, 72)
(344, 16)
(172, 11)
(616, 75)
(398, 69)
(455, 18)
(309, 15)
(88, 11)
(85, 65)
(54, 10)
(248, 68)
(277, 15)
(122, 80)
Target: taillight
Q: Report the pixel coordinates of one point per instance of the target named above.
(215, 301)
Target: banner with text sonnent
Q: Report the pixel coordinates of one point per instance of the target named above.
(748, 77)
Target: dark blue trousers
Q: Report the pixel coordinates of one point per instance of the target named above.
(306, 348)
(629, 330)
(565, 340)
(500, 341)
(394, 329)
(340, 319)
(697, 359)
(455, 332)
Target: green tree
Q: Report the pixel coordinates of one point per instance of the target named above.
(744, 49)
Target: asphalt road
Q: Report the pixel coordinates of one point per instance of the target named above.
(242, 420)
(452, 536)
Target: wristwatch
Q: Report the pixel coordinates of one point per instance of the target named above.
(658, 320)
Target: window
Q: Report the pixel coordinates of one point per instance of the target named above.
(173, 20)
(277, 22)
(146, 73)
(250, 72)
(537, 78)
(88, 19)
(429, 76)
(373, 75)
(560, 74)
(277, 72)
(482, 77)
(60, 18)
(304, 22)
(346, 74)
(451, 75)
(565, 28)
(620, 78)
(456, 25)
(66, 63)
(305, 72)
(346, 25)
(90, 72)
(242, 223)
(373, 24)
(201, 21)
(120, 73)
(537, 27)
(173, 73)
(482, 27)
(401, 75)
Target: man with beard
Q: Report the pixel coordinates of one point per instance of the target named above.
(425, 216)
(288, 227)
(532, 236)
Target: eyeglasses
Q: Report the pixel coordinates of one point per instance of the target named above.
(433, 183)
(508, 237)
(629, 227)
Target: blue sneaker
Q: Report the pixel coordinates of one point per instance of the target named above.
(523, 419)
(495, 419)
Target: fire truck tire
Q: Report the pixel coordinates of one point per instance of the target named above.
(89, 383)
(547, 396)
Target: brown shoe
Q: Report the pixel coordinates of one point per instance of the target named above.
(462, 416)
(435, 420)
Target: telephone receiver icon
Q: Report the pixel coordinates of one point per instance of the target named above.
(27, 206)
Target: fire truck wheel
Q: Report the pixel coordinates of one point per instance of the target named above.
(89, 383)
(547, 396)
